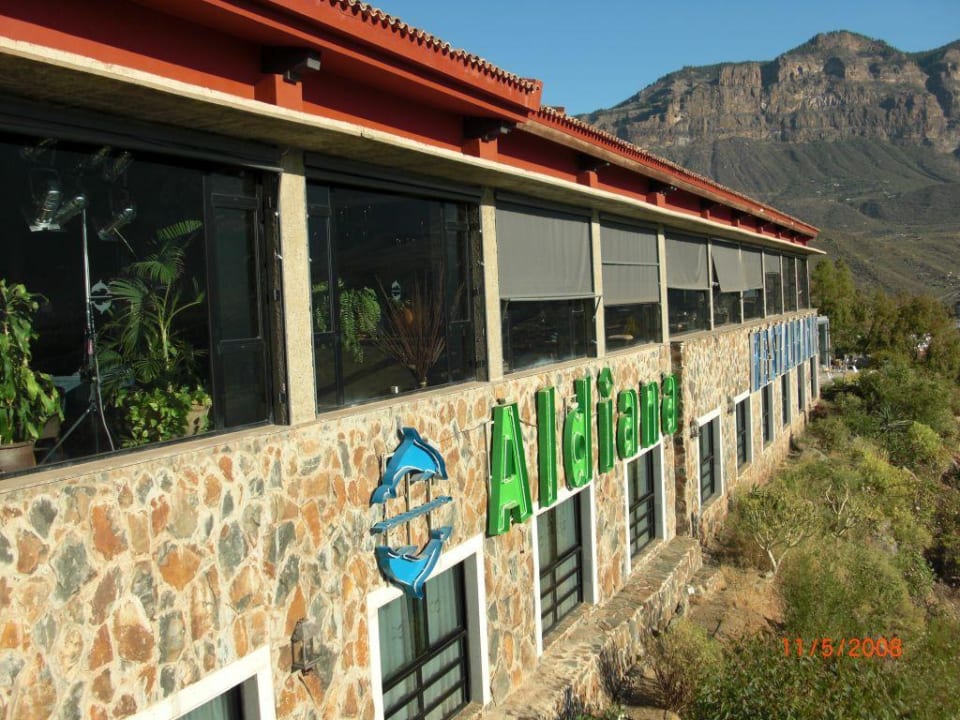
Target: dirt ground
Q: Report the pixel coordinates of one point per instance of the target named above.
(746, 603)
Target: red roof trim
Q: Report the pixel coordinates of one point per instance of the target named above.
(600, 138)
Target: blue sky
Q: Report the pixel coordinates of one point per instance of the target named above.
(595, 54)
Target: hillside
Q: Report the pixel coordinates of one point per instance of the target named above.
(846, 132)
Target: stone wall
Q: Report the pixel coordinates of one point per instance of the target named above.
(713, 369)
(126, 579)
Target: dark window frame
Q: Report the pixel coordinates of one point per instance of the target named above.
(550, 614)
(708, 454)
(642, 508)
(766, 404)
(742, 426)
(785, 402)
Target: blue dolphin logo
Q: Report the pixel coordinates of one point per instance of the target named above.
(408, 569)
(414, 455)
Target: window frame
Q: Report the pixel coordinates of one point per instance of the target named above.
(711, 421)
(743, 400)
(470, 554)
(766, 414)
(786, 406)
(653, 454)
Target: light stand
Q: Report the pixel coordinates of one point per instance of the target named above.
(95, 404)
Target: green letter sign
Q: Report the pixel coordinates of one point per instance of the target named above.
(668, 407)
(627, 424)
(577, 440)
(605, 420)
(649, 414)
(509, 487)
(547, 445)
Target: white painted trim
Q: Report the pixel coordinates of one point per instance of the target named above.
(660, 493)
(588, 530)
(252, 671)
(743, 397)
(470, 553)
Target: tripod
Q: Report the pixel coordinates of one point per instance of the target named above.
(95, 405)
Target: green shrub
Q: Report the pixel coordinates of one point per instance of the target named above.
(916, 446)
(681, 657)
(777, 519)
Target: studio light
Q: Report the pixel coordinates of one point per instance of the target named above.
(116, 168)
(47, 203)
(122, 218)
(69, 210)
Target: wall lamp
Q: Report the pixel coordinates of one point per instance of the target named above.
(290, 62)
(305, 647)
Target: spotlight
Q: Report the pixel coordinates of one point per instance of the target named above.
(46, 206)
(115, 169)
(122, 218)
(70, 209)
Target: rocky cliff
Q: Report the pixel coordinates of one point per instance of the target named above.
(846, 132)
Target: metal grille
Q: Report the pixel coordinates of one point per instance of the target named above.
(561, 562)
(642, 502)
(708, 480)
(433, 685)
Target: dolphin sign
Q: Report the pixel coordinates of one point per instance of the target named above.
(404, 566)
(414, 455)
(408, 569)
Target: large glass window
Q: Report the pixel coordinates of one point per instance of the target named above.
(688, 284)
(546, 285)
(773, 283)
(424, 651)
(728, 283)
(631, 284)
(752, 264)
(789, 283)
(642, 501)
(709, 460)
(151, 273)
(392, 286)
(803, 284)
(560, 547)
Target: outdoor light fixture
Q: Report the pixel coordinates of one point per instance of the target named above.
(694, 431)
(47, 203)
(113, 170)
(731, 405)
(290, 62)
(69, 210)
(121, 219)
(305, 647)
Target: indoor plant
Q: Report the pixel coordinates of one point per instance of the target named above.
(149, 367)
(28, 399)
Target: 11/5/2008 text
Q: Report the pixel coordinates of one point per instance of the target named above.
(843, 647)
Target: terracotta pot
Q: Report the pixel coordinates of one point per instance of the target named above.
(17, 456)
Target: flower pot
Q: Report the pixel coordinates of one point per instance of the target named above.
(17, 456)
(197, 418)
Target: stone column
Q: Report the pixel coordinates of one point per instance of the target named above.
(491, 286)
(597, 260)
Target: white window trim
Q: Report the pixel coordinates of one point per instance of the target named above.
(588, 526)
(252, 672)
(744, 396)
(470, 553)
(660, 490)
(717, 456)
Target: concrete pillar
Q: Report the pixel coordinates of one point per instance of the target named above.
(664, 313)
(597, 260)
(491, 286)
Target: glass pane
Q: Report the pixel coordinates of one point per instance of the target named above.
(324, 362)
(398, 636)
(407, 711)
(443, 599)
(544, 332)
(567, 525)
(774, 293)
(243, 396)
(237, 296)
(320, 291)
(688, 310)
(228, 706)
(627, 325)
(752, 304)
(726, 308)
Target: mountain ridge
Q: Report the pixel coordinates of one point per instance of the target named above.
(845, 131)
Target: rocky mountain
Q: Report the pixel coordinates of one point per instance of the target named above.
(844, 131)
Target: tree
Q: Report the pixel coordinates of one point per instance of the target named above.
(835, 295)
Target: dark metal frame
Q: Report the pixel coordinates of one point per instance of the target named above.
(641, 507)
(742, 430)
(549, 582)
(766, 404)
(785, 414)
(416, 666)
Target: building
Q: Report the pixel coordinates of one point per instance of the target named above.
(398, 281)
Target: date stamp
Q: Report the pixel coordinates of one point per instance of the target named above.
(853, 647)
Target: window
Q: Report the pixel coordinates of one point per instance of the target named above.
(743, 432)
(766, 401)
(176, 249)
(642, 501)
(631, 284)
(752, 264)
(546, 285)
(688, 284)
(709, 459)
(773, 283)
(561, 556)
(728, 283)
(424, 654)
(803, 284)
(228, 706)
(785, 404)
(392, 279)
(814, 379)
(801, 388)
(789, 283)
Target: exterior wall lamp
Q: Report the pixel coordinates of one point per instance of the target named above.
(305, 647)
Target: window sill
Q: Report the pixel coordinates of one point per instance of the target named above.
(645, 553)
(639, 347)
(546, 367)
(559, 631)
(396, 400)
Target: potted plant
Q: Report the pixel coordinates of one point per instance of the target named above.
(28, 399)
(359, 315)
(148, 365)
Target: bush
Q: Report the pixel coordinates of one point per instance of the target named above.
(681, 658)
(777, 518)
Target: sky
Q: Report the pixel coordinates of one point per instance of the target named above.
(595, 54)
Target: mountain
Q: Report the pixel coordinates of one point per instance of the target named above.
(846, 132)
